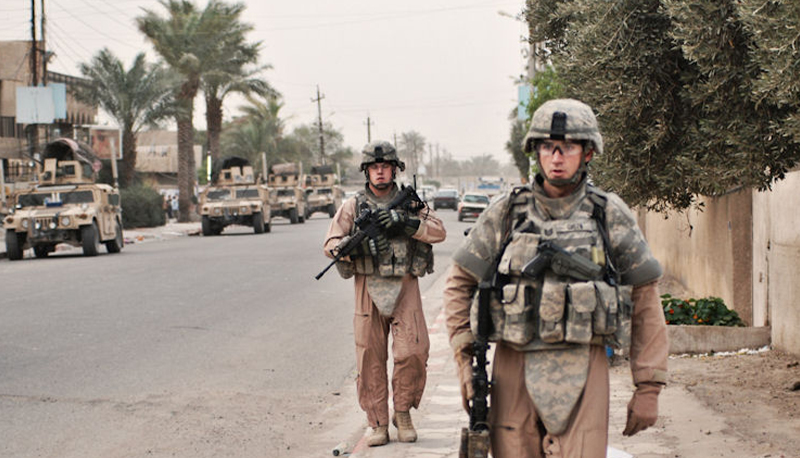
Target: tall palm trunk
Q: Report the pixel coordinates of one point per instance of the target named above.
(186, 170)
(214, 125)
(185, 173)
(128, 156)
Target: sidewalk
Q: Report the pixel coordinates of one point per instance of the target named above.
(685, 429)
(170, 230)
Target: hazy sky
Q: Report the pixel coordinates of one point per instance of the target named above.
(444, 68)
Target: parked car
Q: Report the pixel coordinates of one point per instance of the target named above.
(426, 193)
(445, 198)
(472, 205)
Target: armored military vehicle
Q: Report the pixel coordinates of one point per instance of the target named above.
(235, 198)
(65, 205)
(286, 197)
(322, 193)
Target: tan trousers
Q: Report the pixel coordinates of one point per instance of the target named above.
(410, 347)
(516, 429)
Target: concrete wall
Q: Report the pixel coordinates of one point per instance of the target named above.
(776, 260)
(744, 248)
(699, 248)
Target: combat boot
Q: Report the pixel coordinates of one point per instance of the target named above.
(379, 436)
(405, 429)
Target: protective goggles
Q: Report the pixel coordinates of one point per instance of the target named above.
(567, 148)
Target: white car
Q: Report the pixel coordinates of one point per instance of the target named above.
(472, 204)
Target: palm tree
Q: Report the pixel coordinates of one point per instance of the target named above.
(190, 41)
(260, 129)
(231, 72)
(135, 98)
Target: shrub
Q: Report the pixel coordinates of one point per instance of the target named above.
(142, 206)
(710, 311)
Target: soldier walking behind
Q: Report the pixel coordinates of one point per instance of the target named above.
(570, 272)
(386, 268)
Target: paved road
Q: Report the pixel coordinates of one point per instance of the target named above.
(195, 346)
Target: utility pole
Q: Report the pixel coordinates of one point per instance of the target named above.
(369, 132)
(34, 73)
(44, 48)
(319, 112)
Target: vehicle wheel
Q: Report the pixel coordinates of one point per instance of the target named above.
(460, 217)
(331, 210)
(90, 239)
(268, 226)
(14, 244)
(206, 224)
(306, 213)
(115, 245)
(41, 251)
(293, 218)
(258, 223)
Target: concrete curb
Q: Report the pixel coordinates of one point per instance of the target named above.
(709, 339)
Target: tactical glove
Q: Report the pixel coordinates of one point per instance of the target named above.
(389, 219)
(463, 357)
(643, 408)
(373, 246)
(396, 223)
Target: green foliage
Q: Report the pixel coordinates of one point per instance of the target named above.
(710, 311)
(689, 95)
(142, 206)
(545, 86)
(138, 97)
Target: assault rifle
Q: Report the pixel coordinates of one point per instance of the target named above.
(561, 262)
(475, 439)
(368, 225)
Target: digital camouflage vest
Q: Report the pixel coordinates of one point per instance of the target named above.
(385, 272)
(556, 308)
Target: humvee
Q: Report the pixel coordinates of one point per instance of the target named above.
(235, 198)
(65, 205)
(286, 198)
(322, 194)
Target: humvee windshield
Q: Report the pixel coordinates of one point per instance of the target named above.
(33, 200)
(285, 192)
(42, 199)
(218, 194)
(324, 191)
(77, 197)
(246, 193)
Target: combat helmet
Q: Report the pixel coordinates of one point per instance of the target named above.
(564, 119)
(380, 151)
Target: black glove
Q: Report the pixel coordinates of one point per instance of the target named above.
(372, 246)
(395, 223)
(390, 219)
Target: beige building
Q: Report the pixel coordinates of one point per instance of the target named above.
(157, 158)
(15, 71)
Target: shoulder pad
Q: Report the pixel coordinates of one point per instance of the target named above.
(520, 195)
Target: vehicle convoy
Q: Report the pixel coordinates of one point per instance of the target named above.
(235, 198)
(66, 205)
(322, 193)
(286, 197)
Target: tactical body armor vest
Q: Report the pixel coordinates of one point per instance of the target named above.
(406, 255)
(561, 304)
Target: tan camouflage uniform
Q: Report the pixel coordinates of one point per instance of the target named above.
(410, 343)
(538, 377)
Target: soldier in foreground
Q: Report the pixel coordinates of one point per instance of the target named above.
(567, 271)
(386, 267)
